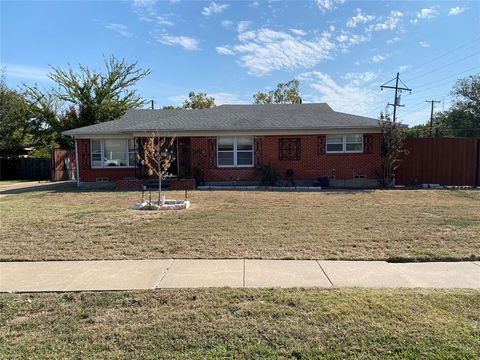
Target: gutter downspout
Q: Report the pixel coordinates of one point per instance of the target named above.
(77, 166)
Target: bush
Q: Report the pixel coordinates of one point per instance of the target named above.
(267, 175)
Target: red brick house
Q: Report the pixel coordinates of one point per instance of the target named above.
(226, 142)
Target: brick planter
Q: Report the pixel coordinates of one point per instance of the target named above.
(182, 184)
(129, 185)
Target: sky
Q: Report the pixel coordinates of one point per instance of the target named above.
(341, 51)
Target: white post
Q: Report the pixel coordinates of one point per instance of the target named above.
(159, 171)
(77, 165)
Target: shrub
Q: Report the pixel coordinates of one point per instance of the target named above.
(267, 174)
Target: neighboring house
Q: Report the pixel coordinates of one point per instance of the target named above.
(228, 141)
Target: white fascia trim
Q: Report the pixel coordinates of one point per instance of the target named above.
(286, 132)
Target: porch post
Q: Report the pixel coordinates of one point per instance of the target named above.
(77, 165)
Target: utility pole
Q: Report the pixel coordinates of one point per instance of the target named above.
(396, 102)
(431, 113)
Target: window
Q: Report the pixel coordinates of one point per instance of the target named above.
(96, 153)
(235, 151)
(354, 143)
(334, 143)
(113, 152)
(350, 143)
(289, 149)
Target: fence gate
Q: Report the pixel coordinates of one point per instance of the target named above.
(63, 164)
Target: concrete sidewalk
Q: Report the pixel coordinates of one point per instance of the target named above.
(187, 273)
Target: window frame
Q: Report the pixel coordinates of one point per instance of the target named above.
(344, 144)
(102, 154)
(235, 152)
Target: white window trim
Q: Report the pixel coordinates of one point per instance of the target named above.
(344, 146)
(102, 154)
(235, 152)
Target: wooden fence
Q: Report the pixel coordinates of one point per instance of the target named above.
(24, 169)
(444, 161)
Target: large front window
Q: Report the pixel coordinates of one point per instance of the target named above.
(113, 152)
(349, 143)
(235, 151)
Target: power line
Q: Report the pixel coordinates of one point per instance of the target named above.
(442, 55)
(447, 77)
(444, 66)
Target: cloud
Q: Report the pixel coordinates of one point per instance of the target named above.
(456, 10)
(227, 23)
(403, 67)
(223, 50)
(220, 98)
(226, 98)
(214, 8)
(263, 51)
(120, 29)
(328, 5)
(341, 98)
(425, 14)
(243, 25)
(188, 43)
(391, 22)
(145, 9)
(26, 72)
(379, 58)
(360, 18)
(163, 20)
(346, 40)
(424, 44)
(298, 32)
(393, 40)
(360, 78)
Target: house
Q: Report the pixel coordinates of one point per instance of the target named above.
(226, 142)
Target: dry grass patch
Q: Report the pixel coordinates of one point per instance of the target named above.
(327, 225)
(236, 323)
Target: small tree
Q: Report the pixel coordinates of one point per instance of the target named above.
(158, 155)
(198, 101)
(391, 147)
(285, 93)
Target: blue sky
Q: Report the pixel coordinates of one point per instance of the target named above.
(340, 50)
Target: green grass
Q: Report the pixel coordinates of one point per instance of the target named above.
(243, 323)
(367, 225)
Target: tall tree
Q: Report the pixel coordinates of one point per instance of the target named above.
(15, 115)
(95, 96)
(463, 118)
(285, 93)
(198, 101)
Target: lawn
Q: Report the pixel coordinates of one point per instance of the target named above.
(396, 224)
(239, 323)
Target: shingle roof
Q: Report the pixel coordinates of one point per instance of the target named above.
(231, 117)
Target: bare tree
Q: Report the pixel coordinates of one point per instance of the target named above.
(157, 156)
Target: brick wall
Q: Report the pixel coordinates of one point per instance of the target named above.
(313, 162)
(88, 174)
